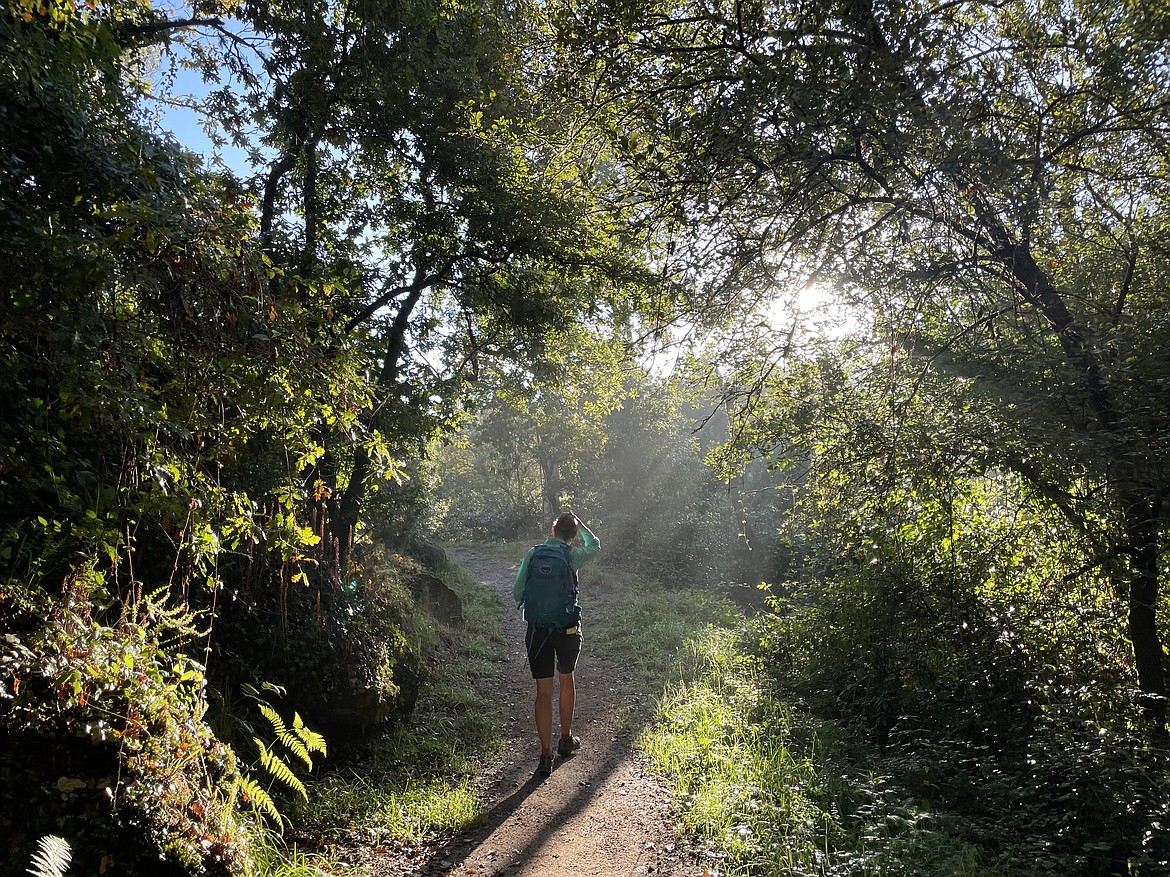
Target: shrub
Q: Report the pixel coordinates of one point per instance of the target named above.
(105, 739)
(345, 654)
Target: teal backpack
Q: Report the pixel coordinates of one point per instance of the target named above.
(550, 593)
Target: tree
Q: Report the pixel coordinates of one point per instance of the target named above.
(149, 359)
(203, 369)
(536, 426)
(413, 165)
(989, 180)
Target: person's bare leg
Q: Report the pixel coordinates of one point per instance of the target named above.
(543, 710)
(568, 699)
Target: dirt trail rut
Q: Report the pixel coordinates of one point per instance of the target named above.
(601, 812)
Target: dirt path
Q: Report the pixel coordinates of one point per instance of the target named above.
(601, 812)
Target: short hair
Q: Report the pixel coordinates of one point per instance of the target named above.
(566, 527)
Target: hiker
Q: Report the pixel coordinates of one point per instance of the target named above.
(546, 584)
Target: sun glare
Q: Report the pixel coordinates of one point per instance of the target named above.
(814, 310)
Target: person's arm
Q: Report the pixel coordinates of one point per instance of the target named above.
(582, 556)
(521, 579)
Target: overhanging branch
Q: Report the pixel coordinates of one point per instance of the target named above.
(421, 281)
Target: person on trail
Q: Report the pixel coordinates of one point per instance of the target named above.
(546, 585)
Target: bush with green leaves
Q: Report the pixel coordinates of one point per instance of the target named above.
(106, 745)
(347, 656)
(949, 634)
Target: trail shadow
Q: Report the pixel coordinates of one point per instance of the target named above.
(526, 841)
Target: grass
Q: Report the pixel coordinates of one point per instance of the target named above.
(416, 782)
(402, 808)
(772, 791)
(482, 612)
(766, 788)
(648, 627)
(271, 857)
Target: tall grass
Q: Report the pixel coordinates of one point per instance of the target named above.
(762, 785)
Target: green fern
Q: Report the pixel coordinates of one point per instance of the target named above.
(313, 741)
(278, 770)
(299, 742)
(258, 799)
(290, 741)
(274, 720)
(51, 858)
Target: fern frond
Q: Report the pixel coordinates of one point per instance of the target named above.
(274, 719)
(280, 771)
(295, 747)
(265, 757)
(258, 799)
(300, 741)
(51, 858)
(313, 741)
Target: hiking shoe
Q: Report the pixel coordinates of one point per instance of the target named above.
(568, 746)
(545, 767)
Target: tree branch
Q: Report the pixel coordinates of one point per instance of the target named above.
(144, 33)
(420, 282)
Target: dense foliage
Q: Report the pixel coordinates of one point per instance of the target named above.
(957, 623)
(209, 373)
(225, 384)
(988, 181)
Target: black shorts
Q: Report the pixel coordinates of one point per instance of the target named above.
(550, 649)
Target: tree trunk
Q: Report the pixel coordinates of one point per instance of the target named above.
(1142, 530)
(311, 204)
(549, 489)
(350, 505)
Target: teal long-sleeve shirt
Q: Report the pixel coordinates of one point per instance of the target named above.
(578, 557)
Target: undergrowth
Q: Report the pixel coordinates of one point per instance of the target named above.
(415, 782)
(764, 786)
(770, 787)
(273, 857)
(770, 790)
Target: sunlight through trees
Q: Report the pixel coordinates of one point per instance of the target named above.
(849, 313)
